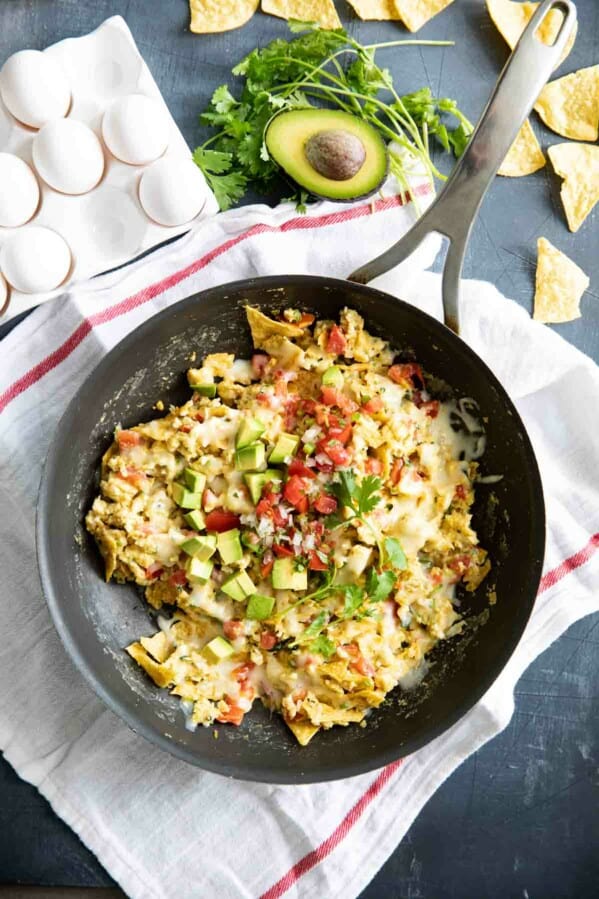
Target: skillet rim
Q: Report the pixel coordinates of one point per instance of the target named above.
(238, 770)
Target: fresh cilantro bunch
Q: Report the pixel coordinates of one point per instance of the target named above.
(319, 68)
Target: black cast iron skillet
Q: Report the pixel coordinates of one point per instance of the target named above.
(96, 621)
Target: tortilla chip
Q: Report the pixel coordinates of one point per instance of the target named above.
(160, 674)
(207, 16)
(524, 156)
(158, 646)
(416, 13)
(263, 327)
(570, 105)
(511, 18)
(379, 10)
(321, 11)
(578, 165)
(560, 283)
(303, 731)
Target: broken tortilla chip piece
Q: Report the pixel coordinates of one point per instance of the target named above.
(511, 18)
(560, 284)
(570, 105)
(524, 156)
(322, 12)
(578, 165)
(416, 13)
(209, 16)
(377, 10)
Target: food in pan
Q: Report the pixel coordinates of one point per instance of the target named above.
(301, 525)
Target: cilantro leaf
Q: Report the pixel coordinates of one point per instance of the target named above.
(316, 626)
(345, 488)
(223, 100)
(228, 189)
(354, 597)
(367, 497)
(214, 161)
(395, 554)
(379, 586)
(324, 646)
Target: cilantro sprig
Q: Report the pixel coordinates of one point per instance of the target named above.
(320, 68)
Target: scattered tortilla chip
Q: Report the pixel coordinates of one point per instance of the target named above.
(524, 156)
(263, 327)
(209, 16)
(511, 18)
(303, 731)
(321, 11)
(570, 105)
(560, 284)
(377, 10)
(416, 13)
(578, 165)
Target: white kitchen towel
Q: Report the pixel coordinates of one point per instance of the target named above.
(159, 826)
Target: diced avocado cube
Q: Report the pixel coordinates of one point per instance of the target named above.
(187, 499)
(195, 520)
(200, 547)
(239, 586)
(218, 649)
(204, 388)
(285, 446)
(255, 481)
(199, 570)
(285, 575)
(250, 430)
(259, 606)
(229, 546)
(194, 480)
(250, 457)
(333, 377)
(274, 477)
(251, 541)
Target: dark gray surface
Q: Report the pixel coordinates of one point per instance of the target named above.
(520, 817)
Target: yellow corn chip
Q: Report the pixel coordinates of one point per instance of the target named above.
(378, 10)
(578, 165)
(416, 13)
(560, 284)
(570, 105)
(220, 15)
(511, 18)
(321, 11)
(524, 156)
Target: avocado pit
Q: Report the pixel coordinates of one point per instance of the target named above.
(335, 153)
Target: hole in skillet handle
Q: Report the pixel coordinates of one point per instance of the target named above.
(560, 7)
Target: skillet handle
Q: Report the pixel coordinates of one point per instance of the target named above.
(455, 209)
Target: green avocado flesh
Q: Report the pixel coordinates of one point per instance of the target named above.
(338, 143)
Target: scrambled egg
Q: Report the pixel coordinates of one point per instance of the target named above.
(300, 524)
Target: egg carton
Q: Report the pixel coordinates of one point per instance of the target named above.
(107, 226)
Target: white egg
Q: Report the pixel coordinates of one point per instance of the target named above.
(68, 156)
(34, 88)
(172, 191)
(135, 129)
(19, 191)
(35, 259)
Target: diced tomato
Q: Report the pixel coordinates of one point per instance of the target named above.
(185, 429)
(333, 397)
(315, 563)
(340, 433)
(336, 342)
(126, 439)
(460, 564)
(408, 372)
(233, 629)
(199, 416)
(363, 666)
(374, 466)
(278, 517)
(306, 319)
(265, 399)
(309, 406)
(460, 491)
(295, 493)
(246, 690)
(153, 571)
(436, 575)
(242, 672)
(132, 476)
(291, 405)
(322, 415)
(316, 527)
(396, 470)
(325, 504)
(280, 384)
(259, 363)
(374, 404)
(337, 453)
(324, 467)
(266, 568)
(282, 551)
(297, 467)
(233, 715)
(431, 408)
(268, 639)
(178, 578)
(221, 520)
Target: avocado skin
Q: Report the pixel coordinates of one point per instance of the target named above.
(290, 130)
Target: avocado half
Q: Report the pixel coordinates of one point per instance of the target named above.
(330, 153)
